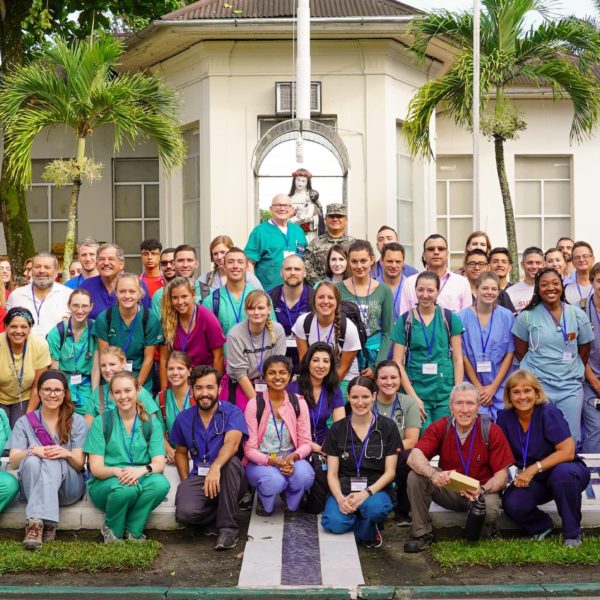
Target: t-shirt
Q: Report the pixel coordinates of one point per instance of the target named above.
(520, 295)
(485, 462)
(575, 292)
(153, 282)
(455, 293)
(405, 414)
(37, 356)
(103, 300)
(383, 441)
(23, 436)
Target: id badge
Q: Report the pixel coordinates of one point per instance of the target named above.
(430, 369)
(290, 342)
(358, 484)
(567, 356)
(260, 386)
(76, 378)
(484, 366)
(203, 470)
(128, 366)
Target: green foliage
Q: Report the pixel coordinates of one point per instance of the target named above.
(78, 556)
(63, 172)
(264, 215)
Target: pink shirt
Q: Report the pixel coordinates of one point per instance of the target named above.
(455, 293)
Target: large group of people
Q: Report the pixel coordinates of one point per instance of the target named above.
(307, 372)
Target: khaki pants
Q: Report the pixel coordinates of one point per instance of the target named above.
(421, 492)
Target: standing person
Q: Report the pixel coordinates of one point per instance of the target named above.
(167, 264)
(27, 270)
(565, 245)
(476, 262)
(555, 259)
(278, 441)
(271, 241)
(249, 345)
(74, 350)
(7, 276)
(428, 350)
(111, 262)
(404, 411)
(211, 432)
(317, 383)
(362, 452)
(487, 344)
(336, 219)
(552, 341)
(583, 258)
(501, 265)
(43, 297)
(130, 326)
(337, 264)
(478, 240)
(591, 383)
(392, 263)
(127, 459)
(87, 253)
(23, 359)
(386, 235)
(150, 253)
(46, 447)
(74, 269)
(454, 291)
(190, 328)
(520, 293)
(375, 302)
(547, 466)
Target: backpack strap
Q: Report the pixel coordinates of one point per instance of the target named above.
(109, 315)
(275, 295)
(485, 423)
(294, 401)
(260, 407)
(162, 403)
(307, 324)
(40, 431)
(216, 301)
(145, 318)
(62, 333)
(407, 319)
(447, 323)
(343, 327)
(101, 398)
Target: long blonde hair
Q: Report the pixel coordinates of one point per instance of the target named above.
(139, 405)
(253, 298)
(170, 317)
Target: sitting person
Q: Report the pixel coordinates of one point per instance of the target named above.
(211, 432)
(9, 484)
(46, 447)
(279, 440)
(362, 452)
(465, 443)
(548, 468)
(126, 459)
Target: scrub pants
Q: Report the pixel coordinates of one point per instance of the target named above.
(590, 421)
(48, 484)
(371, 512)
(9, 488)
(14, 411)
(567, 396)
(128, 507)
(564, 484)
(435, 409)
(269, 483)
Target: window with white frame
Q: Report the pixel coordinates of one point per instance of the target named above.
(48, 210)
(404, 196)
(135, 206)
(191, 189)
(543, 200)
(454, 196)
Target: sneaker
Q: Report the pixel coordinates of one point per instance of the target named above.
(573, 542)
(109, 536)
(128, 537)
(420, 543)
(246, 502)
(226, 541)
(49, 533)
(260, 509)
(33, 534)
(377, 541)
(403, 520)
(538, 537)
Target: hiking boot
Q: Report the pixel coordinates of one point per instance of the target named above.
(128, 537)
(49, 533)
(403, 520)
(33, 534)
(260, 509)
(377, 541)
(226, 541)
(418, 544)
(573, 542)
(109, 536)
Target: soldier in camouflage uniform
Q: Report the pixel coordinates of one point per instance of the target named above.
(336, 218)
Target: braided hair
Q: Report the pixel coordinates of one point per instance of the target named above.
(254, 298)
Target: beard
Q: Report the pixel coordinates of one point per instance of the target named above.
(42, 284)
(213, 401)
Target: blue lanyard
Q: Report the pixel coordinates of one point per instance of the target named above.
(237, 315)
(262, 348)
(429, 341)
(379, 270)
(364, 446)
(206, 437)
(466, 465)
(484, 345)
(328, 338)
(398, 289)
(37, 309)
(12, 356)
(364, 314)
(131, 330)
(393, 407)
(285, 237)
(296, 308)
(317, 410)
(189, 331)
(524, 447)
(277, 431)
(562, 324)
(186, 402)
(84, 344)
(129, 448)
(594, 310)
(579, 289)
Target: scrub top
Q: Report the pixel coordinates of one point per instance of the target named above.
(429, 386)
(549, 355)
(93, 406)
(497, 340)
(171, 408)
(132, 338)
(4, 430)
(267, 247)
(123, 449)
(75, 358)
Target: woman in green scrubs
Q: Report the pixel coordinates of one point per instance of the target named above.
(74, 350)
(126, 459)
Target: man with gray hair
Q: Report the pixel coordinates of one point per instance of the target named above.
(467, 443)
(87, 253)
(43, 297)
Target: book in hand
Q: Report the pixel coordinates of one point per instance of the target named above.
(461, 483)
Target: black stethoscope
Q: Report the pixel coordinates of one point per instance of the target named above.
(194, 450)
(346, 455)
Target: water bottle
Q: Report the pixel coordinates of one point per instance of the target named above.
(475, 519)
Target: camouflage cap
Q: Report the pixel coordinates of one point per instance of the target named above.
(336, 209)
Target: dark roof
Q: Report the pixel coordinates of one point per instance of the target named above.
(269, 9)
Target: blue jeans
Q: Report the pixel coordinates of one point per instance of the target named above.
(371, 512)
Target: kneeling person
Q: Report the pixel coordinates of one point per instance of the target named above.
(211, 432)
(467, 445)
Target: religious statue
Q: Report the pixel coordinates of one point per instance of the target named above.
(308, 212)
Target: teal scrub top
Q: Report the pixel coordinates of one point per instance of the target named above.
(158, 296)
(266, 246)
(171, 408)
(4, 430)
(93, 406)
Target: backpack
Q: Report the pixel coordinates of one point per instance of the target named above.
(260, 405)
(216, 301)
(408, 319)
(62, 332)
(109, 316)
(485, 422)
(108, 421)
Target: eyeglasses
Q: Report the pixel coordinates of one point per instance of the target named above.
(52, 391)
(338, 217)
(164, 263)
(476, 265)
(582, 257)
(434, 248)
(281, 206)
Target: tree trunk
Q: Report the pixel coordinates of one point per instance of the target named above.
(509, 215)
(13, 210)
(71, 226)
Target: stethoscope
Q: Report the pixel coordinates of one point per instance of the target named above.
(194, 450)
(88, 354)
(346, 455)
(397, 414)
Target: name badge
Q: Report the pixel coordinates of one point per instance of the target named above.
(358, 484)
(430, 369)
(260, 386)
(203, 470)
(128, 366)
(287, 253)
(484, 366)
(76, 378)
(567, 357)
(290, 342)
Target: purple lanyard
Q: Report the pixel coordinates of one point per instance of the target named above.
(37, 309)
(12, 357)
(562, 324)
(393, 408)
(445, 278)
(429, 341)
(467, 465)
(189, 330)
(398, 291)
(524, 447)
(358, 461)
(484, 345)
(593, 308)
(328, 338)
(262, 348)
(315, 420)
(296, 308)
(278, 431)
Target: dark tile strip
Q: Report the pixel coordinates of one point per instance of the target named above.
(301, 556)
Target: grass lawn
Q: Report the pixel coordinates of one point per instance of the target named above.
(491, 553)
(78, 556)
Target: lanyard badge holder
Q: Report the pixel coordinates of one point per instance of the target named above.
(358, 483)
(485, 365)
(260, 385)
(429, 368)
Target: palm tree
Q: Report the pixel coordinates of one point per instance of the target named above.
(559, 54)
(76, 85)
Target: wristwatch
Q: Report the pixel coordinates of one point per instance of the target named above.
(540, 469)
(369, 491)
(149, 468)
